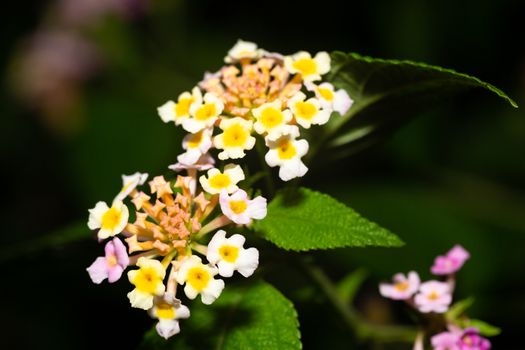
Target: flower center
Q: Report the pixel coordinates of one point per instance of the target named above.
(467, 340)
(111, 260)
(401, 286)
(238, 207)
(433, 296)
(165, 311)
(286, 150)
(206, 112)
(326, 93)
(229, 253)
(305, 110)
(220, 181)
(271, 117)
(111, 218)
(195, 140)
(198, 278)
(147, 280)
(182, 108)
(305, 66)
(235, 136)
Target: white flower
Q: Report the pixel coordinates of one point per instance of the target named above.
(308, 112)
(199, 280)
(205, 162)
(242, 49)
(403, 287)
(338, 101)
(235, 139)
(229, 255)
(148, 281)
(433, 296)
(111, 221)
(203, 115)
(168, 310)
(240, 209)
(129, 183)
(286, 152)
(195, 145)
(271, 119)
(180, 111)
(217, 181)
(310, 68)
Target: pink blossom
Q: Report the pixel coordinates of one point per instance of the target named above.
(403, 287)
(110, 266)
(446, 341)
(433, 296)
(471, 340)
(87, 12)
(451, 262)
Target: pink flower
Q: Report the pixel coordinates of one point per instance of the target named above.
(433, 296)
(450, 263)
(403, 287)
(471, 340)
(446, 341)
(110, 266)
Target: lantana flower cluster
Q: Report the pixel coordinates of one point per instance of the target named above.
(165, 235)
(164, 232)
(435, 296)
(257, 95)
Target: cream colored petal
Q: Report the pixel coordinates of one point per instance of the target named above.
(167, 112)
(140, 300)
(323, 62)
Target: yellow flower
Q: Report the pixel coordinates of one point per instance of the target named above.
(227, 181)
(242, 49)
(111, 221)
(271, 119)
(199, 280)
(235, 139)
(286, 152)
(308, 112)
(148, 281)
(180, 111)
(203, 115)
(309, 68)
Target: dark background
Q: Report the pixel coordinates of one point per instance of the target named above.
(72, 125)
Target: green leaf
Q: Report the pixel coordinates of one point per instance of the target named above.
(349, 285)
(458, 309)
(484, 328)
(66, 235)
(301, 219)
(388, 92)
(250, 317)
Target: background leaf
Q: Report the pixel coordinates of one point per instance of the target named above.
(69, 234)
(484, 328)
(350, 284)
(257, 316)
(301, 219)
(387, 93)
(458, 309)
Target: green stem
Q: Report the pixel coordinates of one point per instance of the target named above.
(362, 329)
(259, 145)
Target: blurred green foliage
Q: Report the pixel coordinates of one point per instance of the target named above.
(452, 175)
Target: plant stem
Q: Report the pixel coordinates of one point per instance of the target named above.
(265, 168)
(362, 329)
